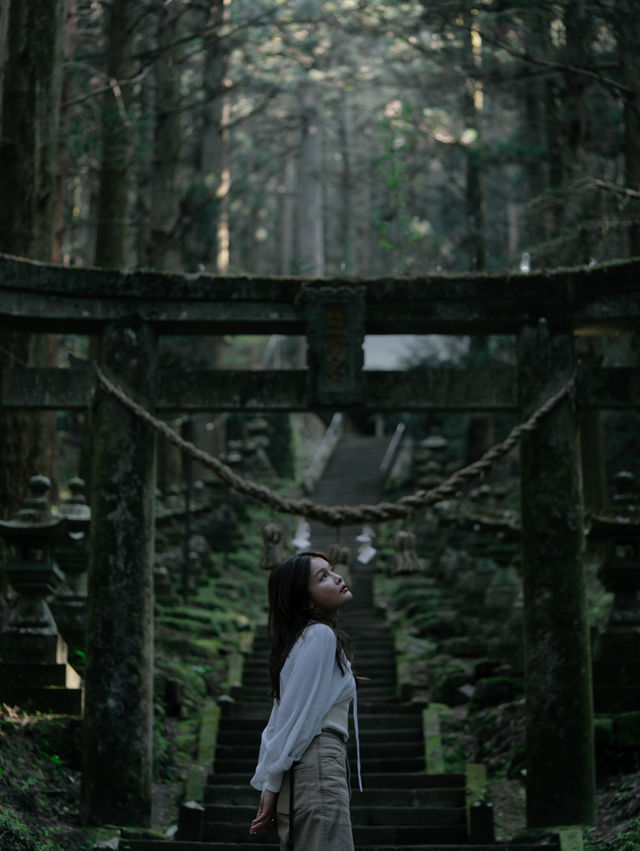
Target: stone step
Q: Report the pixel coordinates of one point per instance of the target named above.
(370, 780)
(379, 650)
(368, 738)
(260, 697)
(361, 815)
(363, 836)
(385, 663)
(373, 751)
(367, 672)
(372, 727)
(367, 716)
(244, 795)
(386, 764)
(365, 686)
(28, 674)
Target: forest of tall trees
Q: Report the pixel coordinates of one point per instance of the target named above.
(301, 137)
(360, 137)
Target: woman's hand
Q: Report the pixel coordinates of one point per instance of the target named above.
(266, 816)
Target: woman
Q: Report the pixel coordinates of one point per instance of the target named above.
(302, 765)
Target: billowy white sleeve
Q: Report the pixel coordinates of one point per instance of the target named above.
(307, 692)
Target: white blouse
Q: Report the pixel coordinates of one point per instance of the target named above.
(310, 686)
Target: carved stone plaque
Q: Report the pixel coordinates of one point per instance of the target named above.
(335, 334)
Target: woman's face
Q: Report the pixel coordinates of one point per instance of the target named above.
(327, 589)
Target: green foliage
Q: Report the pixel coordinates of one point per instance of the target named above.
(194, 643)
(13, 832)
(627, 840)
(39, 782)
(493, 691)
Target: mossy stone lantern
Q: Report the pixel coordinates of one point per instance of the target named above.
(34, 671)
(72, 557)
(617, 649)
(619, 530)
(31, 537)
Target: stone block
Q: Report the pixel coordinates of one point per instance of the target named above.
(615, 672)
(34, 674)
(481, 823)
(24, 645)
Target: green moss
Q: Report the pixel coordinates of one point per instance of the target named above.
(493, 691)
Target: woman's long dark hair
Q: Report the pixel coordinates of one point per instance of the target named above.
(290, 612)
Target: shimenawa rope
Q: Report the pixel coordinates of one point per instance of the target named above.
(341, 515)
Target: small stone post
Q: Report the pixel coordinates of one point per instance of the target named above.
(559, 700)
(116, 780)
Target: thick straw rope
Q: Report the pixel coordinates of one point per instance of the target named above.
(341, 515)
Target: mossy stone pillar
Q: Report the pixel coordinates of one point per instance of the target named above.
(559, 700)
(117, 770)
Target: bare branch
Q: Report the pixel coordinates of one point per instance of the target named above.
(608, 82)
(613, 187)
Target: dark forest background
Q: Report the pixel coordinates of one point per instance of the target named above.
(306, 137)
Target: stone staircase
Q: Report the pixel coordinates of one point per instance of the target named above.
(402, 806)
(352, 477)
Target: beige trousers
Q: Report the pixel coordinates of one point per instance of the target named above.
(321, 821)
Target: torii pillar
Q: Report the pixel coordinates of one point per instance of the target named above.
(118, 720)
(559, 701)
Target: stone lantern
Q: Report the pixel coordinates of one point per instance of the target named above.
(72, 557)
(272, 551)
(33, 656)
(617, 649)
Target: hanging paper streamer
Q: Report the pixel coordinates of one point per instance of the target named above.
(340, 558)
(302, 539)
(271, 545)
(405, 558)
(366, 550)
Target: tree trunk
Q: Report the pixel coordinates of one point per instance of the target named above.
(577, 54)
(565, 128)
(286, 211)
(475, 201)
(163, 248)
(4, 26)
(205, 196)
(117, 139)
(20, 431)
(537, 36)
(628, 35)
(31, 97)
(347, 223)
(31, 91)
(309, 254)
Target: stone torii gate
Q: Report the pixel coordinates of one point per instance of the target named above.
(127, 311)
